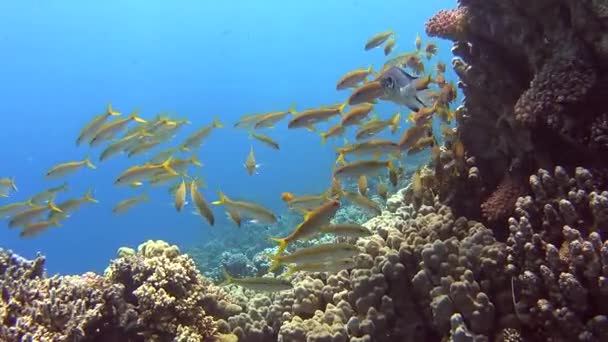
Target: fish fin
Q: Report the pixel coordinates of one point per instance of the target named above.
(419, 101)
(276, 262)
(167, 166)
(51, 205)
(292, 109)
(194, 161)
(13, 185)
(340, 160)
(311, 128)
(323, 138)
(228, 279)
(88, 196)
(88, 163)
(222, 199)
(395, 122)
(216, 123)
(341, 108)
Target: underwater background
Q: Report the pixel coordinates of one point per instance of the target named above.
(63, 62)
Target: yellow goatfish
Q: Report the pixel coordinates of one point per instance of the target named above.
(363, 202)
(265, 139)
(250, 163)
(317, 253)
(330, 266)
(13, 208)
(6, 186)
(313, 221)
(261, 284)
(389, 46)
(346, 230)
(333, 131)
(33, 229)
(92, 127)
(140, 172)
(270, 119)
(310, 117)
(356, 114)
(122, 145)
(180, 196)
(64, 169)
(376, 148)
(362, 167)
(110, 129)
(362, 185)
(45, 195)
(382, 190)
(196, 139)
(368, 92)
(352, 78)
(129, 203)
(200, 204)
(247, 209)
(69, 206)
(373, 127)
(378, 39)
(28, 215)
(234, 216)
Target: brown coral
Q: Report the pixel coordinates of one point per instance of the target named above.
(500, 204)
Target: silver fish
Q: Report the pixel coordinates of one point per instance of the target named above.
(400, 88)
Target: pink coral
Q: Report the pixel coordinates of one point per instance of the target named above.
(448, 24)
(502, 201)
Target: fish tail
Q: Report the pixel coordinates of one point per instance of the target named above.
(291, 269)
(13, 185)
(53, 207)
(216, 123)
(292, 109)
(88, 163)
(195, 161)
(88, 196)
(323, 138)
(340, 160)
(134, 116)
(222, 199)
(342, 106)
(228, 279)
(395, 122)
(111, 110)
(167, 166)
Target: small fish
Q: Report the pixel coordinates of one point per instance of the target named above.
(30, 214)
(361, 167)
(234, 216)
(368, 92)
(423, 115)
(201, 205)
(199, 183)
(143, 147)
(356, 114)
(394, 173)
(261, 284)
(310, 117)
(6, 186)
(270, 119)
(423, 83)
(266, 140)
(334, 131)
(330, 267)
(382, 190)
(248, 121)
(140, 172)
(63, 169)
(376, 147)
(418, 42)
(313, 221)
(13, 208)
(47, 194)
(440, 79)
(362, 185)
(415, 63)
(163, 178)
(94, 125)
(440, 67)
(373, 127)
(122, 145)
(400, 87)
(247, 209)
(163, 155)
(250, 164)
(346, 230)
(335, 189)
(303, 204)
(180, 196)
(33, 229)
(378, 39)
(363, 202)
(196, 139)
(430, 50)
(69, 206)
(181, 164)
(389, 46)
(110, 129)
(129, 203)
(413, 134)
(352, 78)
(421, 145)
(317, 253)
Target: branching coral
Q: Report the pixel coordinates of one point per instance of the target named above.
(448, 24)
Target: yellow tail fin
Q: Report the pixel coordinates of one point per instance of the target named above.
(167, 166)
(51, 205)
(276, 262)
(216, 123)
(88, 163)
(222, 199)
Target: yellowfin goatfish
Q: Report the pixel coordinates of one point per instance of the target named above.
(362, 185)
(303, 204)
(389, 46)
(378, 39)
(64, 169)
(377, 148)
(28, 215)
(356, 114)
(264, 139)
(371, 128)
(129, 203)
(262, 284)
(317, 253)
(13, 208)
(200, 204)
(122, 145)
(248, 121)
(45, 195)
(330, 267)
(313, 221)
(69, 206)
(234, 216)
(180, 196)
(143, 147)
(368, 92)
(110, 129)
(421, 145)
(361, 167)
(180, 164)
(346, 230)
(247, 209)
(199, 182)
(250, 163)
(196, 139)
(363, 202)
(163, 155)
(310, 117)
(352, 78)
(141, 172)
(33, 229)
(413, 134)
(92, 127)
(270, 119)
(6, 186)
(333, 131)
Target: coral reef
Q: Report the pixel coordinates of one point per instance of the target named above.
(533, 76)
(154, 294)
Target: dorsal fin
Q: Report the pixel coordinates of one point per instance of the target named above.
(406, 74)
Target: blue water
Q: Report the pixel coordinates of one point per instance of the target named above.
(63, 61)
